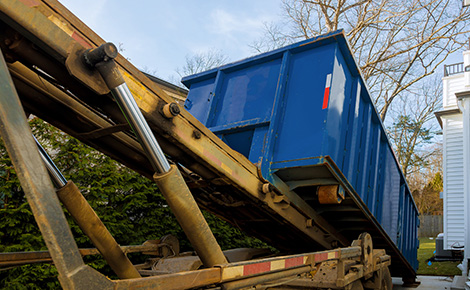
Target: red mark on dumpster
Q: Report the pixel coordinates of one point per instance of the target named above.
(326, 95)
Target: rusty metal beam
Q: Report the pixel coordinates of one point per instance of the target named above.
(178, 281)
(23, 258)
(34, 179)
(40, 96)
(244, 283)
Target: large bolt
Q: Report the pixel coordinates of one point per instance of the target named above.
(197, 134)
(267, 188)
(171, 110)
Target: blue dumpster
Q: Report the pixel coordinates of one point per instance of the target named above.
(304, 115)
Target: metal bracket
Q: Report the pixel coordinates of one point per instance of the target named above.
(89, 77)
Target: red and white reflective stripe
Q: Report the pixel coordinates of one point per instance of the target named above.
(326, 95)
(263, 267)
(325, 256)
(232, 272)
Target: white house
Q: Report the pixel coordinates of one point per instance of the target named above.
(455, 122)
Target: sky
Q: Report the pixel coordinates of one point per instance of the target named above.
(158, 35)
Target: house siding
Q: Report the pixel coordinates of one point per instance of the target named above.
(453, 181)
(452, 84)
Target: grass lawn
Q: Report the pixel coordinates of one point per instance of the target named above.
(427, 246)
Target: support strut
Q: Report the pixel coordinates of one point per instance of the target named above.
(88, 221)
(178, 196)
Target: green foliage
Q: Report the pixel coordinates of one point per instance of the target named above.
(409, 136)
(427, 199)
(437, 183)
(129, 205)
(230, 237)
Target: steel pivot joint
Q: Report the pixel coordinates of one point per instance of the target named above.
(102, 58)
(105, 52)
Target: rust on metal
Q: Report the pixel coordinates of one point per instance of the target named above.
(98, 133)
(329, 194)
(167, 246)
(242, 174)
(170, 181)
(243, 283)
(34, 179)
(171, 110)
(94, 228)
(23, 258)
(365, 242)
(177, 264)
(189, 216)
(178, 281)
(39, 95)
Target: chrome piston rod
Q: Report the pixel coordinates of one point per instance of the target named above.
(57, 178)
(126, 102)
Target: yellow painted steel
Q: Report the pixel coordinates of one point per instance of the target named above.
(94, 228)
(184, 207)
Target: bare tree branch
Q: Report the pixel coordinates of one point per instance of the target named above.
(397, 43)
(202, 61)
